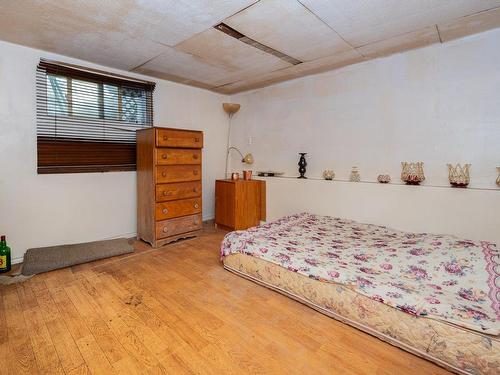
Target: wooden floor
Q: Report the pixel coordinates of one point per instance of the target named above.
(176, 310)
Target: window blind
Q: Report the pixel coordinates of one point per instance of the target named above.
(87, 119)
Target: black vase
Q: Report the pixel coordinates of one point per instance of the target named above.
(302, 164)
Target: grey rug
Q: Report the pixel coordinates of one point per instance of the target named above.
(50, 258)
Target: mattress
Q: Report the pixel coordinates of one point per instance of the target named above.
(457, 344)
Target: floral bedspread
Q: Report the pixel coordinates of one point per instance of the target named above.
(437, 276)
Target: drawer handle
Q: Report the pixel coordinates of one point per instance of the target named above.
(195, 156)
(195, 190)
(164, 156)
(165, 211)
(195, 172)
(165, 138)
(165, 229)
(197, 139)
(167, 192)
(164, 174)
(196, 205)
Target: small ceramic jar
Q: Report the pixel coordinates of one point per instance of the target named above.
(384, 178)
(328, 174)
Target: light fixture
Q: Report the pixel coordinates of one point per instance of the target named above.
(231, 109)
(247, 159)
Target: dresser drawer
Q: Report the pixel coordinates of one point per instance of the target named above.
(174, 156)
(179, 138)
(177, 173)
(176, 226)
(183, 207)
(180, 190)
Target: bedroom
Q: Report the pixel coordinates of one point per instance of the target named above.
(360, 87)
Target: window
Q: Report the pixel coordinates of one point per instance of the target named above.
(87, 119)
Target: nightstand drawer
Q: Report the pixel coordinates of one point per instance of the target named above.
(177, 226)
(180, 190)
(179, 138)
(175, 156)
(178, 173)
(169, 210)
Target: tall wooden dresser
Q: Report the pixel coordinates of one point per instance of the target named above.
(168, 184)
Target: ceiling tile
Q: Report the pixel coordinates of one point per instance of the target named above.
(171, 22)
(400, 43)
(57, 27)
(174, 65)
(288, 27)
(311, 67)
(366, 21)
(470, 25)
(238, 59)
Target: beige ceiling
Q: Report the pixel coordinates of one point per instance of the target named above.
(176, 39)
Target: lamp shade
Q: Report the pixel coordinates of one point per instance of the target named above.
(248, 159)
(231, 108)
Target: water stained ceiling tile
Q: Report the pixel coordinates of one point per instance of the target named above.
(470, 25)
(170, 22)
(56, 27)
(366, 21)
(240, 60)
(174, 65)
(310, 67)
(400, 43)
(288, 27)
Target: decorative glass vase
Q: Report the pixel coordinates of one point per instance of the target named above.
(355, 176)
(412, 173)
(458, 175)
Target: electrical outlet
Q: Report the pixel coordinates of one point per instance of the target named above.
(249, 141)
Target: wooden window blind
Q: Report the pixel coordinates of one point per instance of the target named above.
(87, 119)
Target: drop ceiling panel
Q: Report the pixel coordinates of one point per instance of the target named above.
(288, 27)
(57, 28)
(470, 25)
(400, 43)
(366, 21)
(174, 65)
(311, 67)
(172, 21)
(238, 59)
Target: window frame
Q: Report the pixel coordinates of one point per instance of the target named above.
(87, 153)
(101, 99)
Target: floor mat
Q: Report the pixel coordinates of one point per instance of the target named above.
(45, 259)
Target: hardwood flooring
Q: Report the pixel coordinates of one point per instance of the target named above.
(175, 310)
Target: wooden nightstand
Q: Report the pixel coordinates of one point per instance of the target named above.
(239, 204)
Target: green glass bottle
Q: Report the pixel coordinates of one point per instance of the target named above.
(4, 255)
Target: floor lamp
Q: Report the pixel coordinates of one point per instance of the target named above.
(231, 109)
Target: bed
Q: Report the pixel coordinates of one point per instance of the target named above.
(435, 296)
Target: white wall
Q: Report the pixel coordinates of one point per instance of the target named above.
(43, 210)
(438, 104)
(471, 214)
